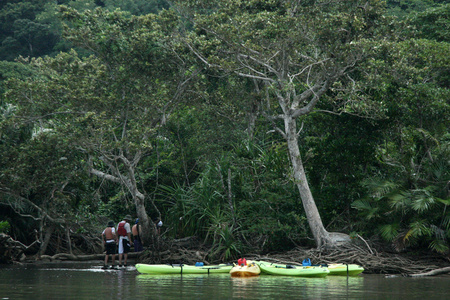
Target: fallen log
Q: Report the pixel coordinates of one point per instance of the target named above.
(432, 273)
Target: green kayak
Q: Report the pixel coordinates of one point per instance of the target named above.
(182, 269)
(290, 270)
(345, 270)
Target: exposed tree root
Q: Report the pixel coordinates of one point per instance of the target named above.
(186, 251)
(373, 262)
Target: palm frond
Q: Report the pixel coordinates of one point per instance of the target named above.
(422, 204)
(418, 229)
(440, 246)
(378, 188)
(362, 205)
(400, 201)
(389, 232)
(366, 208)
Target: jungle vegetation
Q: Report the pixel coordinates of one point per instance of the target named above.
(257, 125)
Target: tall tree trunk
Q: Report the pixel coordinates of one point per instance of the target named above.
(322, 237)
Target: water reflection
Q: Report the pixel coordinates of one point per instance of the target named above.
(186, 286)
(223, 286)
(93, 283)
(245, 287)
(292, 287)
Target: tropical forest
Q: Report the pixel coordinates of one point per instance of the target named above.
(261, 128)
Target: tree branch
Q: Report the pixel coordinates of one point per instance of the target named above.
(104, 175)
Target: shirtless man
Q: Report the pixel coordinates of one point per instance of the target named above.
(109, 241)
(136, 230)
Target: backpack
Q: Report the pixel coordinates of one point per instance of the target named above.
(121, 229)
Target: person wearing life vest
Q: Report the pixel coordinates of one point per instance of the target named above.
(136, 231)
(124, 233)
(109, 241)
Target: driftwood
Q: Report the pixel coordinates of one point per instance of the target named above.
(432, 273)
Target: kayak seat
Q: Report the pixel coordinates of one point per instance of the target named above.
(175, 265)
(290, 267)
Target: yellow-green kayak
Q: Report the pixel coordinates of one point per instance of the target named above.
(182, 269)
(291, 270)
(345, 269)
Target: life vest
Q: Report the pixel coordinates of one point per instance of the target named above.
(121, 229)
(242, 262)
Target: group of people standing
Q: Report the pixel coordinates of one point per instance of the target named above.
(121, 236)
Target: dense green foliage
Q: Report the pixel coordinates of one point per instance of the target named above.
(97, 90)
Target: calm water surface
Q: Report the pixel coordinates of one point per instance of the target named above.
(17, 282)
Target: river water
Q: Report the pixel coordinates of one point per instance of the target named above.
(78, 282)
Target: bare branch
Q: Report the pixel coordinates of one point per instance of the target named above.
(264, 64)
(104, 175)
(255, 77)
(309, 107)
(203, 59)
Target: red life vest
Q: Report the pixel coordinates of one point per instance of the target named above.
(242, 262)
(121, 229)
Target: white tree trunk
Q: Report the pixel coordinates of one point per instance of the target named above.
(312, 213)
(322, 237)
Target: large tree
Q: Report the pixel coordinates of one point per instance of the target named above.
(110, 104)
(299, 54)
